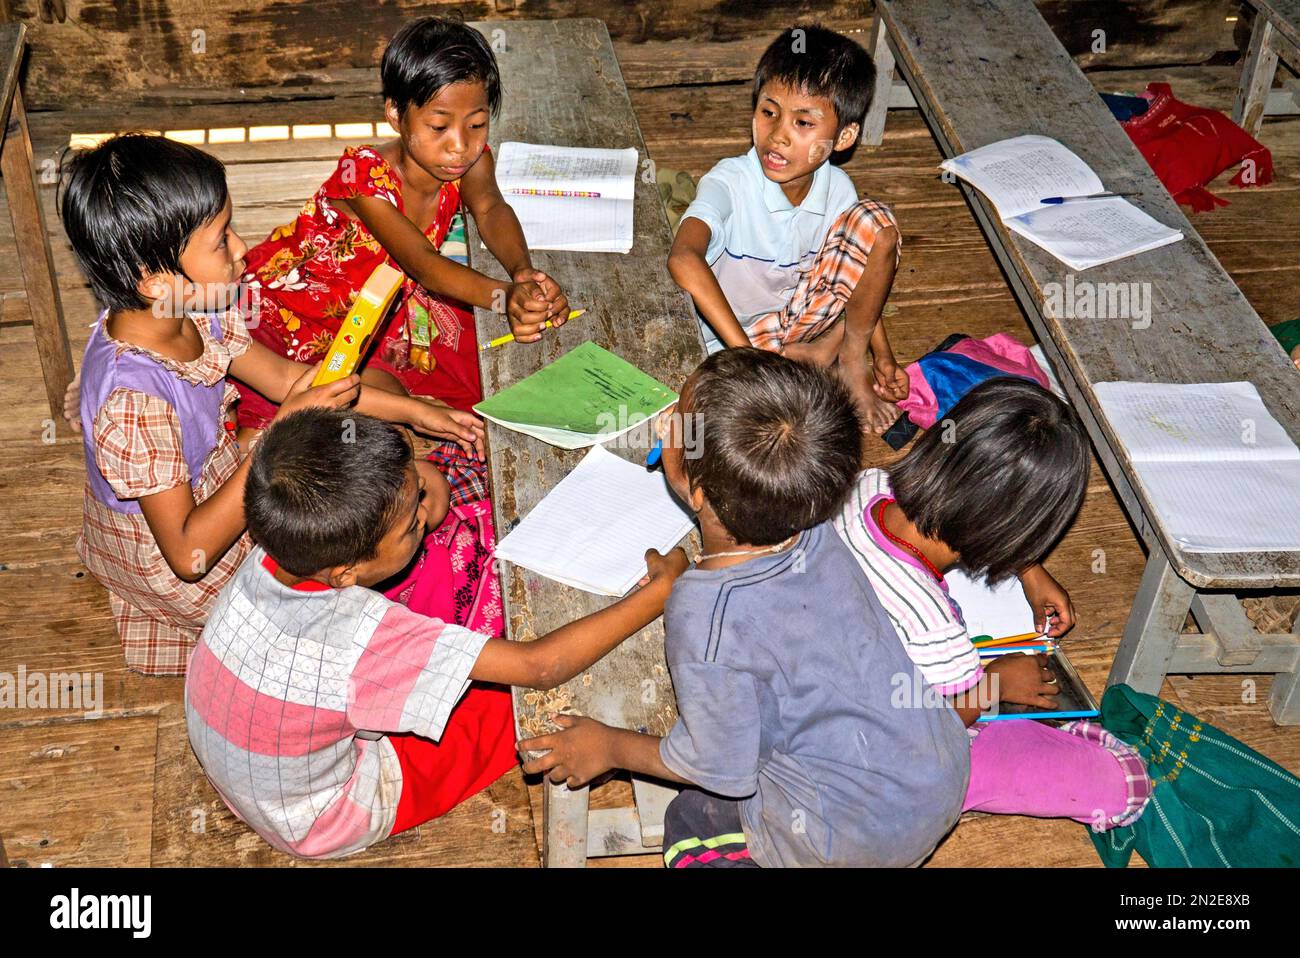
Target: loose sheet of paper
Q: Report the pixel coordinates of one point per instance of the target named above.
(1049, 371)
(1018, 174)
(1087, 234)
(592, 530)
(1000, 611)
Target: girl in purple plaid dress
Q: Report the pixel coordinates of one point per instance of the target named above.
(149, 221)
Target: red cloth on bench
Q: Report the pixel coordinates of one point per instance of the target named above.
(1188, 146)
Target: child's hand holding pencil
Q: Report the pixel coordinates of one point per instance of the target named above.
(510, 337)
(1053, 611)
(533, 302)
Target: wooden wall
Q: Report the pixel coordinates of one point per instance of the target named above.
(86, 53)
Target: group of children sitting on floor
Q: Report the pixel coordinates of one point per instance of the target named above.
(331, 597)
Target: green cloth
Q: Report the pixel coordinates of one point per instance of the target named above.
(1288, 334)
(1216, 802)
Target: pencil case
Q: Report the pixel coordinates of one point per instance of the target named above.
(355, 333)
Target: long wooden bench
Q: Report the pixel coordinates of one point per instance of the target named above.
(982, 72)
(563, 86)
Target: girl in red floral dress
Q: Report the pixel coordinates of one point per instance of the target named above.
(395, 203)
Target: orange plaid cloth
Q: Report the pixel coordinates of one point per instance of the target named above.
(137, 443)
(824, 289)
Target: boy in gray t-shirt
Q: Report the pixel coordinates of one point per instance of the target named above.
(804, 732)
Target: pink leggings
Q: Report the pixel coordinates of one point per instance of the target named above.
(1078, 771)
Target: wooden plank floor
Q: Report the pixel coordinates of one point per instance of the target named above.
(125, 789)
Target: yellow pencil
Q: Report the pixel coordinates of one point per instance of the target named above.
(1010, 640)
(510, 337)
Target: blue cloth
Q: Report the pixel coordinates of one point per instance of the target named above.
(795, 695)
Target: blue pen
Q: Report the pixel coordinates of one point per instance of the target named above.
(656, 451)
(1058, 200)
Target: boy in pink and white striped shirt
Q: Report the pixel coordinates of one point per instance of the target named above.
(327, 716)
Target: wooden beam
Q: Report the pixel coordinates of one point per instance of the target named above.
(35, 258)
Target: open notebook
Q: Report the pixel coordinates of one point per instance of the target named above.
(1018, 174)
(568, 197)
(1002, 611)
(592, 530)
(1219, 469)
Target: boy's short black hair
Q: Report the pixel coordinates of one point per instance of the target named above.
(131, 204)
(780, 443)
(433, 52)
(324, 488)
(999, 479)
(820, 62)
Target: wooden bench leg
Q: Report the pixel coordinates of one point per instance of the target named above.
(564, 826)
(652, 800)
(1154, 625)
(33, 245)
(1284, 699)
(1256, 76)
(873, 126)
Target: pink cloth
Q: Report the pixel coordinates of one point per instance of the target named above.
(999, 351)
(1079, 771)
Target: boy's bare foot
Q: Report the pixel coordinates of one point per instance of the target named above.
(877, 414)
(1295, 357)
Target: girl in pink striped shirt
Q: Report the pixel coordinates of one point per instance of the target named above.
(992, 492)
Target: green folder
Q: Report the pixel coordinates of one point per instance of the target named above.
(587, 396)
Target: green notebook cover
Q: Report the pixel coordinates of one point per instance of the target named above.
(587, 390)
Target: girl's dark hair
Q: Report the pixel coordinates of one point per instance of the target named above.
(130, 206)
(780, 443)
(324, 488)
(820, 62)
(999, 478)
(433, 52)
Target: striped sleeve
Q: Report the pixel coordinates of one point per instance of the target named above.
(411, 672)
(935, 638)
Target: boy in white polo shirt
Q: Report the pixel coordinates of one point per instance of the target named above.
(777, 248)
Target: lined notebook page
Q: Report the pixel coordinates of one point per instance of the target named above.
(581, 224)
(1227, 506)
(1201, 422)
(1221, 472)
(1016, 174)
(592, 530)
(1084, 235)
